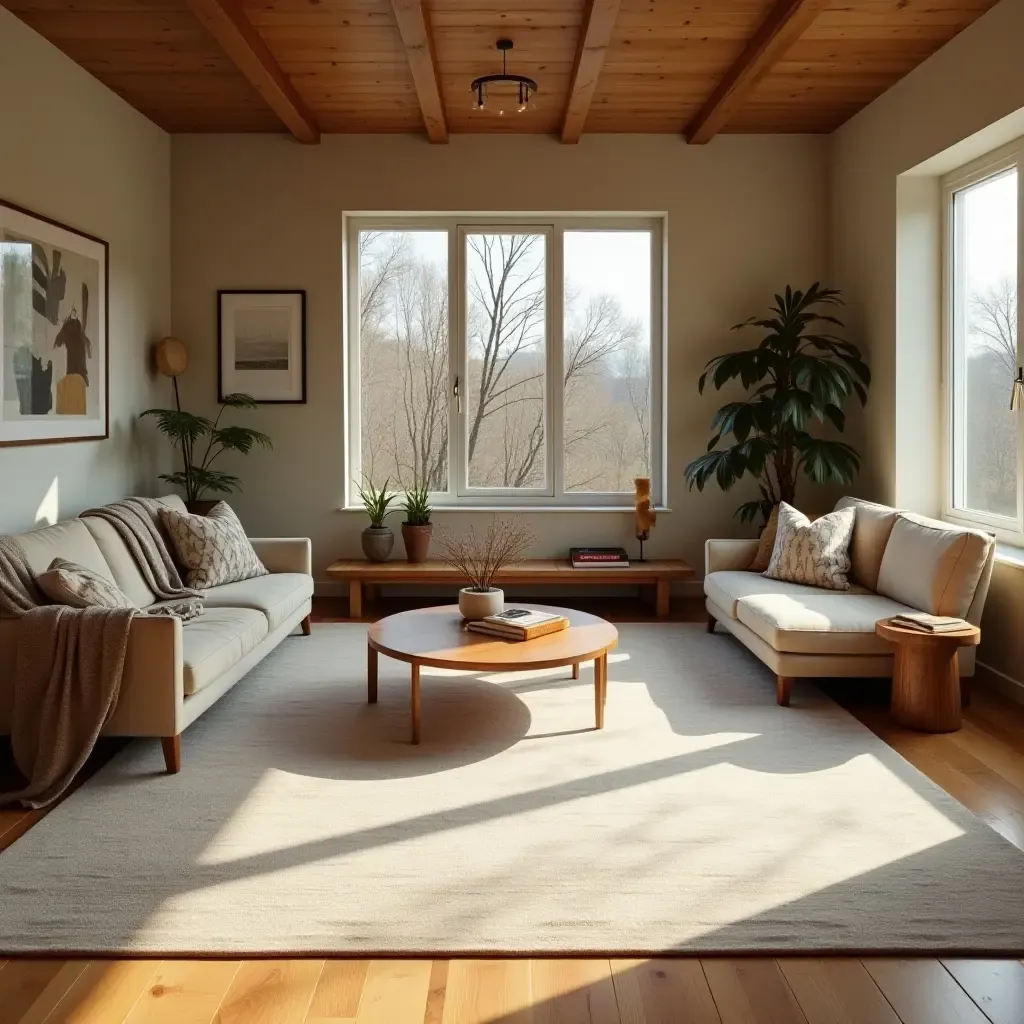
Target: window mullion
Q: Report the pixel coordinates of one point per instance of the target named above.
(556, 349)
(458, 362)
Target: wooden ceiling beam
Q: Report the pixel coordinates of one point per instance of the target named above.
(225, 21)
(595, 35)
(787, 21)
(419, 48)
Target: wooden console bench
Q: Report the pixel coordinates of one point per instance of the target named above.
(542, 571)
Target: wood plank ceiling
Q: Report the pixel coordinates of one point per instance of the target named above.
(695, 67)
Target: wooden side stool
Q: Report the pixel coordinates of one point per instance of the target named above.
(926, 675)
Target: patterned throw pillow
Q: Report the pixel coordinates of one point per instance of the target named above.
(74, 585)
(213, 548)
(818, 553)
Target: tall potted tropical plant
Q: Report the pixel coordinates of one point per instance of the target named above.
(188, 432)
(799, 373)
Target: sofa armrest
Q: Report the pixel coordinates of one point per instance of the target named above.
(152, 687)
(285, 554)
(720, 555)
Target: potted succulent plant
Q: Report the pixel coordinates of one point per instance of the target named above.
(417, 528)
(378, 540)
(480, 558)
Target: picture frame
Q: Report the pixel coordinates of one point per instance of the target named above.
(54, 331)
(261, 345)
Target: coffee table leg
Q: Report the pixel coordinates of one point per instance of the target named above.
(576, 670)
(600, 688)
(415, 703)
(371, 674)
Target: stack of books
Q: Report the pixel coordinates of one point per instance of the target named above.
(929, 623)
(599, 558)
(519, 624)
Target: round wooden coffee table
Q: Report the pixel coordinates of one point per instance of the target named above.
(437, 637)
(926, 675)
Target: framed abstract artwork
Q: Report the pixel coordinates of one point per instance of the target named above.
(54, 346)
(262, 346)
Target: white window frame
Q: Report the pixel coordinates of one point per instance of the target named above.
(1005, 528)
(554, 226)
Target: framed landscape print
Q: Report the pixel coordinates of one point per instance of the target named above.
(53, 331)
(262, 345)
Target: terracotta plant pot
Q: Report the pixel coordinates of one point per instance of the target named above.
(378, 542)
(203, 506)
(478, 604)
(417, 541)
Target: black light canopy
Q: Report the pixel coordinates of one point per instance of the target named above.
(526, 87)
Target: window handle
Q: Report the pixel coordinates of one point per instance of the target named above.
(457, 395)
(1018, 390)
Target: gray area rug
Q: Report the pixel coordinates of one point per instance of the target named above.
(703, 818)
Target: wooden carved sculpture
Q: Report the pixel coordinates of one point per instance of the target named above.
(645, 514)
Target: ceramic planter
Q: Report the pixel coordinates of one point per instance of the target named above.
(378, 542)
(478, 604)
(417, 541)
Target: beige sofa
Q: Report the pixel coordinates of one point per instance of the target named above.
(174, 672)
(900, 562)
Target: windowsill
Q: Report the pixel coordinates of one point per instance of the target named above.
(1010, 554)
(522, 508)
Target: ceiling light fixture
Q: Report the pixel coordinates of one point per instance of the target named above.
(526, 88)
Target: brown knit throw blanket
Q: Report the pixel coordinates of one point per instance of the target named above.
(70, 660)
(67, 680)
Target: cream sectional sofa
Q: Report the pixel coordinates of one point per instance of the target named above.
(173, 673)
(900, 562)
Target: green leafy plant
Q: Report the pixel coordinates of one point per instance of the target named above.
(416, 505)
(376, 501)
(187, 432)
(800, 372)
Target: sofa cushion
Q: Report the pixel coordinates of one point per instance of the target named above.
(126, 573)
(70, 540)
(277, 596)
(728, 587)
(933, 566)
(212, 643)
(819, 622)
(766, 543)
(71, 584)
(213, 548)
(871, 530)
(816, 553)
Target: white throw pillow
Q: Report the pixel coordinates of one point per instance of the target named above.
(74, 585)
(213, 549)
(816, 554)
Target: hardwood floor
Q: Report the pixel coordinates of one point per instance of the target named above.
(982, 766)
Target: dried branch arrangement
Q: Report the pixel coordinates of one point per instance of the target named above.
(480, 557)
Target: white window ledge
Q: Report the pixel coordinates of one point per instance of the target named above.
(1010, 554)
(521, 508)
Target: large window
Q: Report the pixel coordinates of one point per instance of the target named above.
(983, 274)
(506, 362)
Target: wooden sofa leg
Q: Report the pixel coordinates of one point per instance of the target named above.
(172, 753)
(711, 623)
(307, 625)
(783, 687)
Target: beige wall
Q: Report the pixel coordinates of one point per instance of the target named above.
(745, 217)
(73, 151)
(885, 227)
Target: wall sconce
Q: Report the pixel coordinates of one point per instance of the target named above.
(1017, 395)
